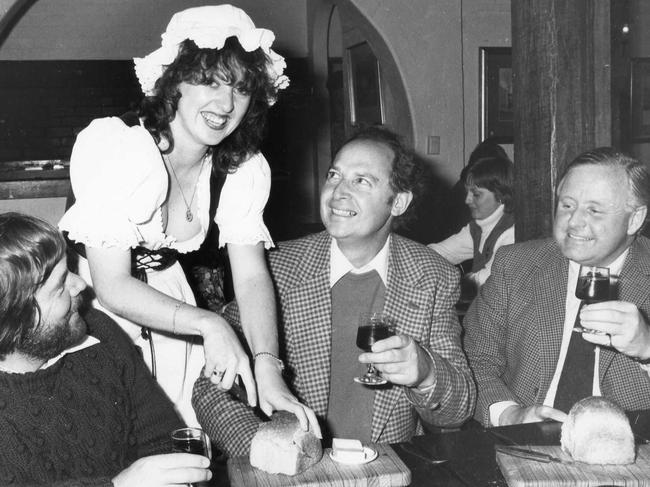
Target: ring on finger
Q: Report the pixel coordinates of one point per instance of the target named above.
(218, 373)
(609, 339)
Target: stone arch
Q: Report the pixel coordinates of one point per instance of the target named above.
(355, 28)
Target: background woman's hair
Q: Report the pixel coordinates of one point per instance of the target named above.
(30, 248)
(487, 148)
(493, 174)
(246, 71)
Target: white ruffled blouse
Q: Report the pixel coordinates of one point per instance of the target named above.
(120, 184)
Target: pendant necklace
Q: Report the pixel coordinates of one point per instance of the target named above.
(189, 216)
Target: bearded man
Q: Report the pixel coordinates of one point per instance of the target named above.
(77, 404)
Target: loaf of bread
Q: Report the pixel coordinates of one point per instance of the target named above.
(281, 446)
(597, 431)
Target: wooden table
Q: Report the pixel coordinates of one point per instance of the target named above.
(470, 452)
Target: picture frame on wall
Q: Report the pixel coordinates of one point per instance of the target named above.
(496, 95)
(364, 86)
(640, 99)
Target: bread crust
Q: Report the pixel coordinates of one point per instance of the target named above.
(598, 432)
(281, 446)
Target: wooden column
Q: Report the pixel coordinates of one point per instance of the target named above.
(561, 83)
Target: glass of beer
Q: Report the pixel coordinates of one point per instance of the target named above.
(191, 440)
(372, 328)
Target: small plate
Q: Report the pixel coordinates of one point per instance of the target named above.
(369, 452)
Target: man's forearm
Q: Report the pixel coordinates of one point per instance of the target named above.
(450, 401)
(229, 423)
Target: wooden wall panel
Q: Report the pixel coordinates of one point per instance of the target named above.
(561, 85)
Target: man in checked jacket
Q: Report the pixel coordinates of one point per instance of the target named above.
(324, 281)
(531, 359)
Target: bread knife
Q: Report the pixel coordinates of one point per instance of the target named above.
(238, 391)
(529, 454)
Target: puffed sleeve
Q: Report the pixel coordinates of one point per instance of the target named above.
(118, 183)
(241, 205)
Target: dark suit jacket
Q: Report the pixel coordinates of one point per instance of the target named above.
(421, 293)
(514, 327)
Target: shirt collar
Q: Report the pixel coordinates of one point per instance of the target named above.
(89, 341)
(615, 267)
(340, 265)
(493, 218)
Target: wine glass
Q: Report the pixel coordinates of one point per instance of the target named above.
(372, 328)
(592, 287)
(191, 440)
(593, 284)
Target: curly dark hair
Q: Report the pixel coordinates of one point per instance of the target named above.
(30, 249)
(247, 71)
(407, 172)
(495, 175)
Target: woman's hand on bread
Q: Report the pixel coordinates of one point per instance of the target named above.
(163, 470)
(532, 414)
(274, 395)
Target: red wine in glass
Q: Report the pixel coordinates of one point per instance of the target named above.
(189, 445)
(592, 287)
(191, 440)
(368, 335)
(372, 328)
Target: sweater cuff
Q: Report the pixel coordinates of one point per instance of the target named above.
(497, 409)
(421, 397)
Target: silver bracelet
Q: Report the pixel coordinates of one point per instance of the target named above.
(277, 359)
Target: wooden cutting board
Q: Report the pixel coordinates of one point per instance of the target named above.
(386, 470)
(521, 472)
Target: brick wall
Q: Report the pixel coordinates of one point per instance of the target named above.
(44, 104)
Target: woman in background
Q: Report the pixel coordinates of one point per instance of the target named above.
(456, 211)
(488, 186)
(143, 195)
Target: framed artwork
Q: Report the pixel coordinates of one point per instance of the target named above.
(495, 97)
(364, 85)
(640, 99)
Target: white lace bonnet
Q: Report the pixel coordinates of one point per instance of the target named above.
(209, 27)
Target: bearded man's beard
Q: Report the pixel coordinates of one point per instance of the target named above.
(50, 338)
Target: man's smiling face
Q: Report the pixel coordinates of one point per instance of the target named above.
(594, 220)
(357, 202)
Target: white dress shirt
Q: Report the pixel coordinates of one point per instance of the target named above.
(89, 341)
(340, 265)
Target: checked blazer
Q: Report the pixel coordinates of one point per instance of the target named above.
(514, 327)
(421, 293)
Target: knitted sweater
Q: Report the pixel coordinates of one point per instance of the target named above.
(84, 419)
